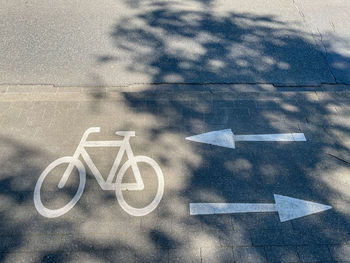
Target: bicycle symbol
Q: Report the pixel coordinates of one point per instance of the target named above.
(107, 184)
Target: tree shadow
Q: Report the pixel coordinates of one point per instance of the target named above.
(200, 47)
(183, 46)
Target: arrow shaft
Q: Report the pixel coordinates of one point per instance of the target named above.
(229, 208)
(271, 137)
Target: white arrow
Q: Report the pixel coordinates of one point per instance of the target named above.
(288, 208)
(226, 138)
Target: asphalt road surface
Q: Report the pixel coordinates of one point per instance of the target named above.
(79, 43)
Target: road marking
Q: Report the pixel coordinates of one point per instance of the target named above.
(279, 137)
(226, 138)
(106, 184)
(288, 208)
(222, 138)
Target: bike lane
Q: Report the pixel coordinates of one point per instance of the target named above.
(40, 127)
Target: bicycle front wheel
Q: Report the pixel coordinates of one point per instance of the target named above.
(160, 188)
(51, 213)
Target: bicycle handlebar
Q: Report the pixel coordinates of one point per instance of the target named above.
(92, 130)
(98, 129)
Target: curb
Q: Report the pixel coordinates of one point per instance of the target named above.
(173, 88)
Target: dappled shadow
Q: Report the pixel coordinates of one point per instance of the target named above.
(171, 45)
(27, 236)
(174, 45)
(253, 172)
(337, 55)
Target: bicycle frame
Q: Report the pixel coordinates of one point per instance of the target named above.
(124, 147)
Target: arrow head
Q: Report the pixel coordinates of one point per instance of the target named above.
(289, 208)
(223, 138)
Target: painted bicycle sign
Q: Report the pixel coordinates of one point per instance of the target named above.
(108, 184)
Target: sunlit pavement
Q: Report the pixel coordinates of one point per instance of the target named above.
(42, 123)
(121, 42)
(166, 71)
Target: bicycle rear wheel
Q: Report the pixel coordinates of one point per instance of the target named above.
(160, 189)
(51, 213)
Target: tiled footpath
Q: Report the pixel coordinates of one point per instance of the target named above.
(42, 123)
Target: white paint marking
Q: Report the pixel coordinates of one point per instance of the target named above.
(229, 208)
(108, 184)
(222, 138)
(288, 208)
(225, 138)
(51, 213)
(278, 137)
(299, 137)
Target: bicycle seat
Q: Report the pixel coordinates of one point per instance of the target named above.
(125, 133)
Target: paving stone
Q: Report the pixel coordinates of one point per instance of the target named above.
(156, 255)
(203, 239)
(249, 254)
(267, 238)
(218, 116)
(216, 254)
(184, 255)
(259, 222)
(329, 220)
(23, 257)
(298, 237)
(10, 243)
(164, 240)
(330, 236)
(49, 243)
(220, 223)
(282, 254)
(189, 225)
(54, 256)
(234, 238)
(120, 255)
(268, 104)
(314, 253)
(340, 252)
(234, 103)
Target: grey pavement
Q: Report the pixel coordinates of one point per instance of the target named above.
(42, 123)
(168, 70)
(113, 43)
